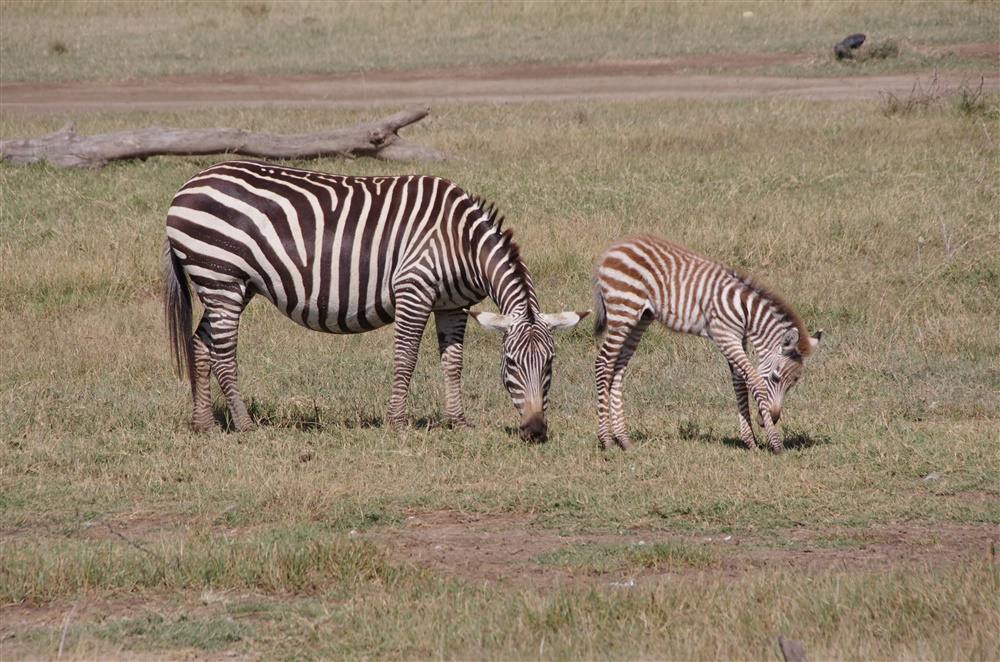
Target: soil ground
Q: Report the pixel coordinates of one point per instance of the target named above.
(647, 79)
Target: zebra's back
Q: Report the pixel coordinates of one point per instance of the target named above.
(324, 249)
(647, 274)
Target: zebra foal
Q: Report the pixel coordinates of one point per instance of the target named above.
(644, 278)
(344, 254)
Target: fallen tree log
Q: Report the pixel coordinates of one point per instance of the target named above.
(68, 149)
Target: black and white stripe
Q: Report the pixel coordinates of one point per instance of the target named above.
(644, 278)
(344, 254)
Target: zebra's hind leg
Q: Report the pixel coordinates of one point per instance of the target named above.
(451, 335)
(221, 326)
(609, 371)
(201, 384)
(618, 381)
(603, 374)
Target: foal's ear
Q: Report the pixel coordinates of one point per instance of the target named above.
(814, 339)
(563, 321)
(491, 321)
(789, 341)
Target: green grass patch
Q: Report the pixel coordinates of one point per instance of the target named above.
(276, 562)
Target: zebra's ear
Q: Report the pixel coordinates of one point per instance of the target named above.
(789, 341)
(814, 339)
(563, 321)
(491, 321)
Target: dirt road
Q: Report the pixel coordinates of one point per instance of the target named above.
(648, 79)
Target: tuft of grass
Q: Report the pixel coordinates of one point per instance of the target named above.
(881, 49)
(276, 562)
(58, 47)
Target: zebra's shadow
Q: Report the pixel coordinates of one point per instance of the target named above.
(791, 439)
(312, 420)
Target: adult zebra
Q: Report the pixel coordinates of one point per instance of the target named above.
(346, 254)
(642, 278)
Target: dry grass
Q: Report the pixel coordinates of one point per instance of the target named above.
(826, 202)
(126, 535)
(67, 40)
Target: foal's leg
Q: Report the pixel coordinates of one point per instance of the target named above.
(618, 381)
(743, 407)
(604, 368)
(451, 334)
(732, 348)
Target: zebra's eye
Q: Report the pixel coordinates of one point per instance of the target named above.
(775, 378)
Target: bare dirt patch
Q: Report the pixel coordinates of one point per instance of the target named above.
(505, 549)
(716, 76)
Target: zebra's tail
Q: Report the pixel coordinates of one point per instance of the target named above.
(600, 311)
(177, 310)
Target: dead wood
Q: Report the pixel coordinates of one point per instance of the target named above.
(68, 149)
(791, 650)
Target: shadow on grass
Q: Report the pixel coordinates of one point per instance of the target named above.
(267, 415)
(792, 439)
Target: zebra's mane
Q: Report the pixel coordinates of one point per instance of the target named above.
(783, 308)
(506, 238)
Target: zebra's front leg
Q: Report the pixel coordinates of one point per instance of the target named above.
(743, 407)
(732, 348)
(451, 335)
(412, 310)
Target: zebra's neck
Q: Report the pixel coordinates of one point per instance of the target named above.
(502, 274)
(768, 318)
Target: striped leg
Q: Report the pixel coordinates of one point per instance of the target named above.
(222, 329)
(743, 407)
(618, 382)
(604, 374)
(451, 334)
(413, 308)
(201, 384)
(732, 349)
(609, 369)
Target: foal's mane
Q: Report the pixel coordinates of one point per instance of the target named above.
(783, 308)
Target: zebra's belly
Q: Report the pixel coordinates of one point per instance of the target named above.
(330, 316)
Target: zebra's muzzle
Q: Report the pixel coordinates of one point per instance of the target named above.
(534, 429)
(775, 415)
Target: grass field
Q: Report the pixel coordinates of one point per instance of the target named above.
(72, 40)
(126, 535)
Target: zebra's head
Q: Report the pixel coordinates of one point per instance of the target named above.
(526, 362)
(781, 368)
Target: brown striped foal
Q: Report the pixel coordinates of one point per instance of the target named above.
(644, 277)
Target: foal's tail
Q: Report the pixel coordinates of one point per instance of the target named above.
(600, 310)
(177, 309)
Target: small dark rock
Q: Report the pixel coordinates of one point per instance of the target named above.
(845, 49)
